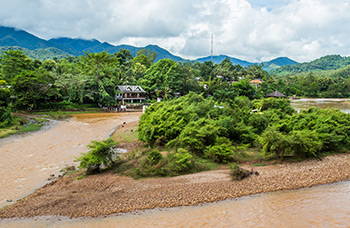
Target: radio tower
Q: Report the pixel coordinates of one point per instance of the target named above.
(212, 44)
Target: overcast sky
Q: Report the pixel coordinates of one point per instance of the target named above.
(253, 30)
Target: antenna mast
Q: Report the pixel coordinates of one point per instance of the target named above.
(212, 44)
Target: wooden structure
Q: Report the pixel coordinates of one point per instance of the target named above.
(276, 94)
(131, 94)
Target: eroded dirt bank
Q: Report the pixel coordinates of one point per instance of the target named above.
(109, 193)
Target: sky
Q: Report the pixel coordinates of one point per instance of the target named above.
(252, 30)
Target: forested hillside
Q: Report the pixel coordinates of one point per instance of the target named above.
(326, 63)
(40, 54)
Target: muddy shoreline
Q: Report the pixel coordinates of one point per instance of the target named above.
(108, 193)
(29, 160)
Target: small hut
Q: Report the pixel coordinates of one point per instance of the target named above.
(276, 94)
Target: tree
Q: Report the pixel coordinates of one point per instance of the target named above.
(99, 68)
(243, 88)
(5, 109)
(206, 70)
(225, 68)
(164, 73)
(151, 55)
(4, 94)
(13, 62)
(142, 59)
(255, 71)
(30, 87)
(124, 56)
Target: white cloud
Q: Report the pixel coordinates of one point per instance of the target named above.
(252, 30)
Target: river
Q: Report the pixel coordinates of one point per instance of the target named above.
(333, 103)
(319, 206)
(28, 160)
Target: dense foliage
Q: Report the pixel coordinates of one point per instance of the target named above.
(308, 134)
(330, 62)
(216, 131)
(209, 129)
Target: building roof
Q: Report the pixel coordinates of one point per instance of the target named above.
(276, 94)
(256, 81)
(128, 88)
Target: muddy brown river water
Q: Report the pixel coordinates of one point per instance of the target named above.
(320, 206)
(305, 103)
(28, 160)
(48, 151)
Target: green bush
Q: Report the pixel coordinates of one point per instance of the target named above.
(221, 152)
(282, 104)
(274, 143)
(5, 117)
(197, 135)
(100, 153)
(154, 157)
(181, 161)
(305, 143)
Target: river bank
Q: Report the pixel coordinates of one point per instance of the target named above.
(107, 193)
(28, 160)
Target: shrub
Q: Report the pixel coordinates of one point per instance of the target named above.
(197, 135)
(5, 117)
(274, 143)
(100, 153)
(237, 172)
(305, 143)
(282, 104)
(181, 161)
(221, 152)
(154, 157)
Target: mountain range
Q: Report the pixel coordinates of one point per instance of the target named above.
(35, 47)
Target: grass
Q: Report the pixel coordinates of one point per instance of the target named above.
(251, 155)
(128, 135)
(137, 166)
(136, 162)
(259, 165)
(4, 132)
(7, 131)
(30, 127)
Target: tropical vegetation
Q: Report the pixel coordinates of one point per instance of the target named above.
(218, 117)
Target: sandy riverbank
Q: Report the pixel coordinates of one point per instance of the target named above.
(109, 193)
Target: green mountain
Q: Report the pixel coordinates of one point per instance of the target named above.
(268, 66)
(277, 63)
(42, 54)
(219, 58)
(81, 46)
(63, 47)
(38, 48)
(326, 63)
(20, 38)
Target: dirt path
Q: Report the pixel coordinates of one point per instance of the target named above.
(109, 193)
